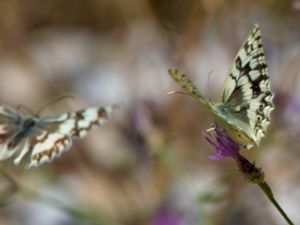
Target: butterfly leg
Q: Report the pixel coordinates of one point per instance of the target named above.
(210, 129)
(24, 149)
(178, 92)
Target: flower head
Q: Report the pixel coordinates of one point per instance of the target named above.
(224, 144)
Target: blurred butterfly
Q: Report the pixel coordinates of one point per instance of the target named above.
(247, 100)
(47, 137)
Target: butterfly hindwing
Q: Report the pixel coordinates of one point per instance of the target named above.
(47, 147)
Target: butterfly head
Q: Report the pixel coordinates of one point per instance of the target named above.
(29, 122)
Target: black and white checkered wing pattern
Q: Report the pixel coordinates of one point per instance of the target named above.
(54, 134)
(10, 121)
(247, 87)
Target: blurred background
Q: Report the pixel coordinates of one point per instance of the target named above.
(149, 165)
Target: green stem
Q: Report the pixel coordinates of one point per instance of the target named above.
(267, 190)
(97, 219)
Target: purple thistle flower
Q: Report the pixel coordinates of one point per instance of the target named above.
(224, 144)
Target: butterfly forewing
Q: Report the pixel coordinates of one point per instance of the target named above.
(247, 91)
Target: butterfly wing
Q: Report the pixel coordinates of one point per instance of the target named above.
(246, 91)
(10, 121)
(54, 134)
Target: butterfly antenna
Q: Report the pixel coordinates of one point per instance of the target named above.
(27, 109)
(188, 85)
(210, 129)
(52, 102)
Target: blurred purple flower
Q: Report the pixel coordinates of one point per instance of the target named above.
(224, 144)
(142, 115)
(166, 216)
(292, 110)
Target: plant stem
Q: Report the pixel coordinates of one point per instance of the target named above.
(267, 190)
(95, 218)
(77, 212)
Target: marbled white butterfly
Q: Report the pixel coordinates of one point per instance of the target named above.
(247, 100)
(48, 137)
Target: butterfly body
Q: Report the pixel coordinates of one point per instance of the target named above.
(27, 127)
(46, 137)
(227, 118)
(247, 100)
